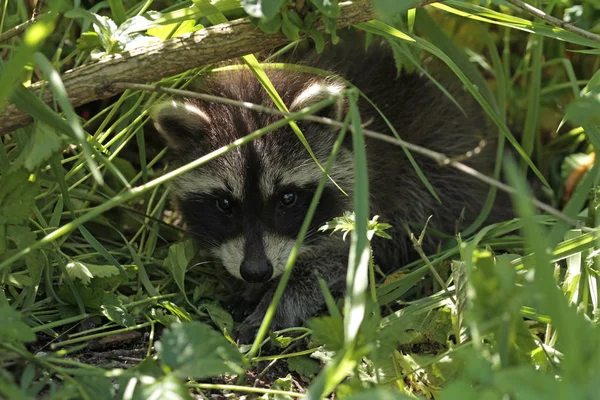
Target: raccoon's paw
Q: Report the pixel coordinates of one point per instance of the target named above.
(245, 332)
(239, 310)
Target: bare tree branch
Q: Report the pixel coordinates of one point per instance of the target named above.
(554, 21)
(17, 30)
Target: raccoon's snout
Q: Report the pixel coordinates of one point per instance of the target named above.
(256, 271)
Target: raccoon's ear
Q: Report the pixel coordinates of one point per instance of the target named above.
(180, 123)
(318, 91)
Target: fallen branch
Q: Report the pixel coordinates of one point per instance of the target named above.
(171, 57)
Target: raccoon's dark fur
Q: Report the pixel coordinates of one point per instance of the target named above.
(246, 207)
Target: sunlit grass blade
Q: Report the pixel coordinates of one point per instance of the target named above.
(531, 128)
(357, 277)
(487, 15)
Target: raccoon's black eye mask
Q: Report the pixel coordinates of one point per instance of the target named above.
(286, 201)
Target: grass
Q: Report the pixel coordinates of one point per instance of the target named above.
(103, 295)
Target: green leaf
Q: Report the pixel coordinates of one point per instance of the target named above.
(104, 27)
(218, 315)
(78, 270)
(91, 296)
(270, 25)
(102, 271)
(585, 110)
(328, 331)
(21, 235)
(17, 196)
(44, 143)
(304, 365)
(97, 387)
(13, 327)
(196, 350)
(289, 28)
(168, 388)
(179, 257)
(286, 384)
(392, 7)
(88, 41)
(113, 308)
(263, 9)
(330, 8)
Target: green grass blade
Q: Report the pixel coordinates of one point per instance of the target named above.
(62, 98)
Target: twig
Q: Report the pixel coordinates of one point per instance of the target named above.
(554, 21)
(38, 8)
(440, 158)
(418, 246)
(270, 365)
(17, 30)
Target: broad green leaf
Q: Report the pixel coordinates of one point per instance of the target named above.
(328, 331)
(166, 387)
(102, 271)
(113, 308)
(286, 384)
(17, 196)
(97, 387)
(328, 7)
(42, 145)
(78, 270)
(13, 327)
(117, 11)
(304, 365)
(178, 259)
(219, 316)
(263, 9)
(195, 350)
(585, 110)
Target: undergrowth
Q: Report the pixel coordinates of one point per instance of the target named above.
(104, 296)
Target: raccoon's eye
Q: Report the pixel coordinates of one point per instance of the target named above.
(224, 205)
(288, 199)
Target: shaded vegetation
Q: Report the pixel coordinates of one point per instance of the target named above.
(104, 296)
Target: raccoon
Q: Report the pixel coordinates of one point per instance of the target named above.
(246, 206)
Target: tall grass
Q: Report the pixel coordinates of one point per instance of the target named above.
(103, 294)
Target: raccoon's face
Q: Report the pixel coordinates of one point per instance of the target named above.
(247, 206)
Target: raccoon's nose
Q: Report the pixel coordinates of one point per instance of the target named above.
(256, 272)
